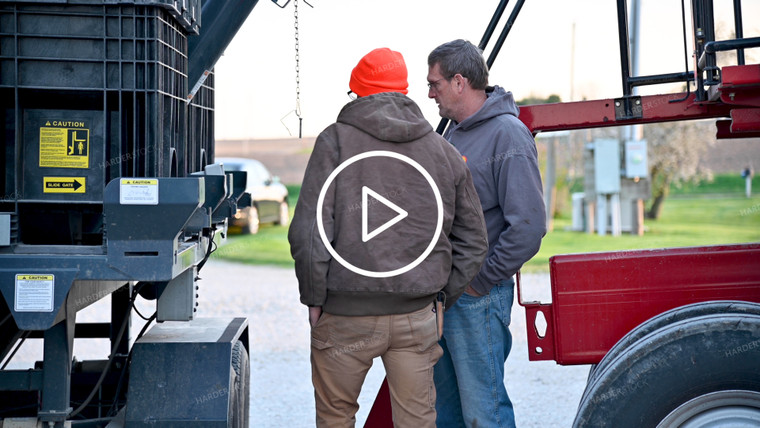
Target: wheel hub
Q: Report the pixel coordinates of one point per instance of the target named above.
(734, 408)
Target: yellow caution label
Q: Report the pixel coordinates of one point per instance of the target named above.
(64, 144)
(138, 191)
(34, 293)
(64, 184)
(20, 277)
(139, 181)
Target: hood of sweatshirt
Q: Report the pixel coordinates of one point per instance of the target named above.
(387, 116)
(499, 102)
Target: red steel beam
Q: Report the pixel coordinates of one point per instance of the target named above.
(745, 120)
(739, 99)
(601, 113)
(741, 75)
(724, 131)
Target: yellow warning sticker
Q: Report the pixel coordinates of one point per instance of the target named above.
(21, 277)
(139, 181)
(34, 293)
(64, 145)
(138, 191)
(64, 184)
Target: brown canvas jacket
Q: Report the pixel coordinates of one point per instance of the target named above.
(389, 129)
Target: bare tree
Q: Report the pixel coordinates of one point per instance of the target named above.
(674, 151)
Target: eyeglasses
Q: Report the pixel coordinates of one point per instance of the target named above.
(434, 84)
(352, 95)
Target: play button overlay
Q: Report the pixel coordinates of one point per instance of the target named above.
(372, 204)
(400, 213)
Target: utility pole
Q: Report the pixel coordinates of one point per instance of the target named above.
(636, 132)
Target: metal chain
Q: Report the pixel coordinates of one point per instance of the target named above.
(298, 65)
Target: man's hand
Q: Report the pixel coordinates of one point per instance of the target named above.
(314, 313)
(471, 291)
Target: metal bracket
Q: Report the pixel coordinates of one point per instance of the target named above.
(177, 302)
(628, 108)
(55, 416)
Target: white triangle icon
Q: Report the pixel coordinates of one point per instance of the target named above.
(365, 208)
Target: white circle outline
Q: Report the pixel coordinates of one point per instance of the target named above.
(331, 178)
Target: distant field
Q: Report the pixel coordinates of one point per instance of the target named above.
(707, 216)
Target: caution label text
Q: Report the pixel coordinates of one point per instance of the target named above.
(34, 293)
(64, 147)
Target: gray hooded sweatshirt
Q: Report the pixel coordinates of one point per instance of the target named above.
(501, 154)
(401, 268)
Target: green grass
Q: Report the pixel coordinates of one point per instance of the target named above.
(725, 184)
(696, 218)
(268, 247)
(685, 222)
(293, 191)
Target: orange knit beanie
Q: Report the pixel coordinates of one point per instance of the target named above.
(381, 70)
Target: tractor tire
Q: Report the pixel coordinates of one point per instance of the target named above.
(669, 317)
(240, 394)
(712, 359)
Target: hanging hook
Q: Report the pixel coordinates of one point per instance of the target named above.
(297, 68)
(288, 2)
(282, 121)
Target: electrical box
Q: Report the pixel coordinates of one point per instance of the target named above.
(636, 162)
(607, 166)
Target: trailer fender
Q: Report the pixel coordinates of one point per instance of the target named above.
(190, 374)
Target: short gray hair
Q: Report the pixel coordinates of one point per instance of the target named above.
(461, 57)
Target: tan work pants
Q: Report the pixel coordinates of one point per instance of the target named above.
(342, 349)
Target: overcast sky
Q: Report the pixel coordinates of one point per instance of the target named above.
(256, 82)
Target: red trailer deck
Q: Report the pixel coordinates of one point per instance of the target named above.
(599, 297)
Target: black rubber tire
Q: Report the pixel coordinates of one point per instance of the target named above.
(240, 394)
(672, 365)
(666, 318)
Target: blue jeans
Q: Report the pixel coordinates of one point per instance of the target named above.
(469, 377)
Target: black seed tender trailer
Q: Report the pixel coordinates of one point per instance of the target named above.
(109, 189)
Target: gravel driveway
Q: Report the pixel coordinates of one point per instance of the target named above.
(544, 394)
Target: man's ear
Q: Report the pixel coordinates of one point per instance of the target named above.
(460, 83)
